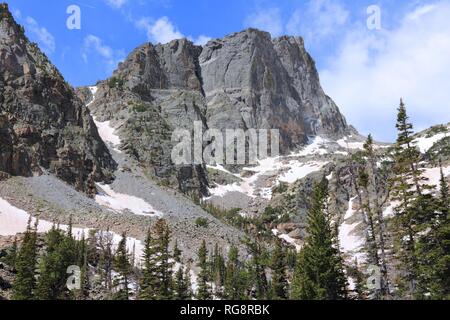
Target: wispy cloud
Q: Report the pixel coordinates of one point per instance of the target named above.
(41, 35)
(320, 19)
(94, 45)
(163, 31)
(373, 69)
(116, 4)
(267, 20)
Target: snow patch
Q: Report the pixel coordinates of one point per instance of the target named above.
(14, 220)
(299, 171)
(349, 243)
(121, 202)
(425, 143)
(107, 134)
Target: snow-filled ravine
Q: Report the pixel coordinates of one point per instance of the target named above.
(105, 130)
(14, 220)
(350, 243)
(110, 199)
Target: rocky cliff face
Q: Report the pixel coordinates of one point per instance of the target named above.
(245, 80)
(253, 81)
(43, 125)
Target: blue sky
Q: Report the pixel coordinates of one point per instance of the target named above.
(365, 71)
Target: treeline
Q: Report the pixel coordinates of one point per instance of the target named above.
(111, 272)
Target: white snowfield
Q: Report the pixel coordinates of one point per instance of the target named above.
(425, 144)
(14, 220)
(291, 171)
(120, 202)
(107, 134)
(105, 130)
(351, 244)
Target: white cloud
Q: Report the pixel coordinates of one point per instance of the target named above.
(117, 4)
(164, 31)
(41, 35)
(267, 20)
(94, 44)
(160, 31)
(373, 69)
(320, 18)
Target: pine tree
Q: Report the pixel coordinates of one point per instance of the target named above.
(218, 270)
(279, 283)
(182, 285)
(234, 286)
(433, 250)
(60, 253)
(203, 279)
(374, 183)
(416, 209)
(257, 270)
(319, 273)
(149, 281)
(156, 282)
(123, 267)
(25, 281)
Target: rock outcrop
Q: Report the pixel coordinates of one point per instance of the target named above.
(245, 80)
(253, 81)
(43, 124)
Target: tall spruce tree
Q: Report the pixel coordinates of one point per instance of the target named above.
(149, 284)
(234, 286)
(319, 273)
(25, 282)
(123, 268)
(156, 282)
(203, 278)
(433, 250)
(374, 188)
(415, 209)
(182, 284)
(279, 283)
(257, 270)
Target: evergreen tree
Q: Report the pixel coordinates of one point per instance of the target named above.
(234, 286)
(156, 282)
(257, 270)
(25, 281)
(52, 272)
(218, 270)
(415, 210)
(149, 281)
(182, 285)
(279, 283)
(203, 279)
(123, 267)
(374, 184)
(433, 250)
(319, 273)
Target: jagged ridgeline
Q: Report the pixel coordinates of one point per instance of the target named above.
(245, 80)
(43, 124)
